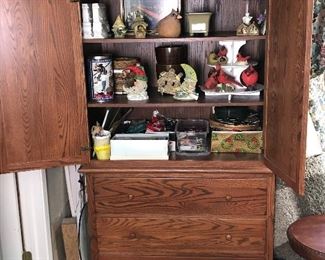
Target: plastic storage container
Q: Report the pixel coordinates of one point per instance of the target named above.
(191, 137)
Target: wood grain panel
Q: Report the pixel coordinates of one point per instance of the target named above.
(127, 257)
(287, 81)
(223, 165)
(92, 231)
(44, 112)
(181, 196)
(181, 236)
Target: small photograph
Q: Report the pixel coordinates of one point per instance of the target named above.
(151, 10)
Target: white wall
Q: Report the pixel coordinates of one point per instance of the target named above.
(35, 216)
(10, 241)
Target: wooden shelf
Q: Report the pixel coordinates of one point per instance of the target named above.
(154, 39)
(214, 162)
(157, 100)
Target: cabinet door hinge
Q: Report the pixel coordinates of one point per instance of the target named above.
(85, 148)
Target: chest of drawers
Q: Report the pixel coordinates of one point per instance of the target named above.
(148, 213)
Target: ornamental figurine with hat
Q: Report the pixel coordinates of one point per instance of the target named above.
(138, 91)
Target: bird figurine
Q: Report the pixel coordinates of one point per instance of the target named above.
(249, 77)
(170, 26)
(218, 76)
(212, 80)
(222, 51)
(242, 59)
(225, 78)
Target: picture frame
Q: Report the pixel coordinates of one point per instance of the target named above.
(151, 10)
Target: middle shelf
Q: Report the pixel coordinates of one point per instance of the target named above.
(158, 100)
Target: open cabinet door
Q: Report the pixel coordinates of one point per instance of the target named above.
(43, 99)
(287, 82)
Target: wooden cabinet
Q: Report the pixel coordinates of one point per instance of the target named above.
(142, 212)
(159, 209)
(43, 101)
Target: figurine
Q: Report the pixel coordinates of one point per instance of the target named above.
(138, 91)
(212, 80)
(242, 60)
(139, 26)
(156, 124)
(261, 21)
(249, 77)
(218, 76)
(169, 82)
(218, 58)
(119, 28)
(225, 78)
(170, 26)
(187, 88)
(247, 27)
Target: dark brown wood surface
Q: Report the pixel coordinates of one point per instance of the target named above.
(225, 165)
(287, 81)
(220, 36)
(182, 236)
(307, 237)
(174, 212)
(126, 257)
(91, 221)
(156, 196)
(44, 115)
(167, 101)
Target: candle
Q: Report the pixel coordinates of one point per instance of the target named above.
(246, 6)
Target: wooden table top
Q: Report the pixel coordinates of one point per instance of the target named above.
(307, 237)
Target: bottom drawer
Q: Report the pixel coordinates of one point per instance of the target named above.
(182, 236)
(128, 257)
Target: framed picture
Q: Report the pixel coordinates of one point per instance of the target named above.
(151, 10)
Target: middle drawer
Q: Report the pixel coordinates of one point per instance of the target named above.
(179, 196)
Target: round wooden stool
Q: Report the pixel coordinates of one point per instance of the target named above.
(307, 237)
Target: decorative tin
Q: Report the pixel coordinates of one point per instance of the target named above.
(101, 87)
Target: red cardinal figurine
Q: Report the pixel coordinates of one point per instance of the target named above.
(212, 80)
(249, 77)
(227, 79)
(241, 58)
(222, 52)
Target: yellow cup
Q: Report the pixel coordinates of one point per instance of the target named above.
(102, 146)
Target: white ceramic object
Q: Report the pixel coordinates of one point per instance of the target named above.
(87, 30)
(86, 13)
(95, 24)
(99, 13)
(233, 48)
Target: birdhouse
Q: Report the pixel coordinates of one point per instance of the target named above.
(140, 27)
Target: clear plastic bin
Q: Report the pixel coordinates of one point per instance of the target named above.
(192, 137)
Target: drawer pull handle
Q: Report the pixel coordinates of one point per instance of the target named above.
(229, 237)
(131, 196)
(133, 235)
(228, 198)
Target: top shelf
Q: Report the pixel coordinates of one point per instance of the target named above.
(221, 36)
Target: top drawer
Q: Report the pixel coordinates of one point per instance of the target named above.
(179, 196)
